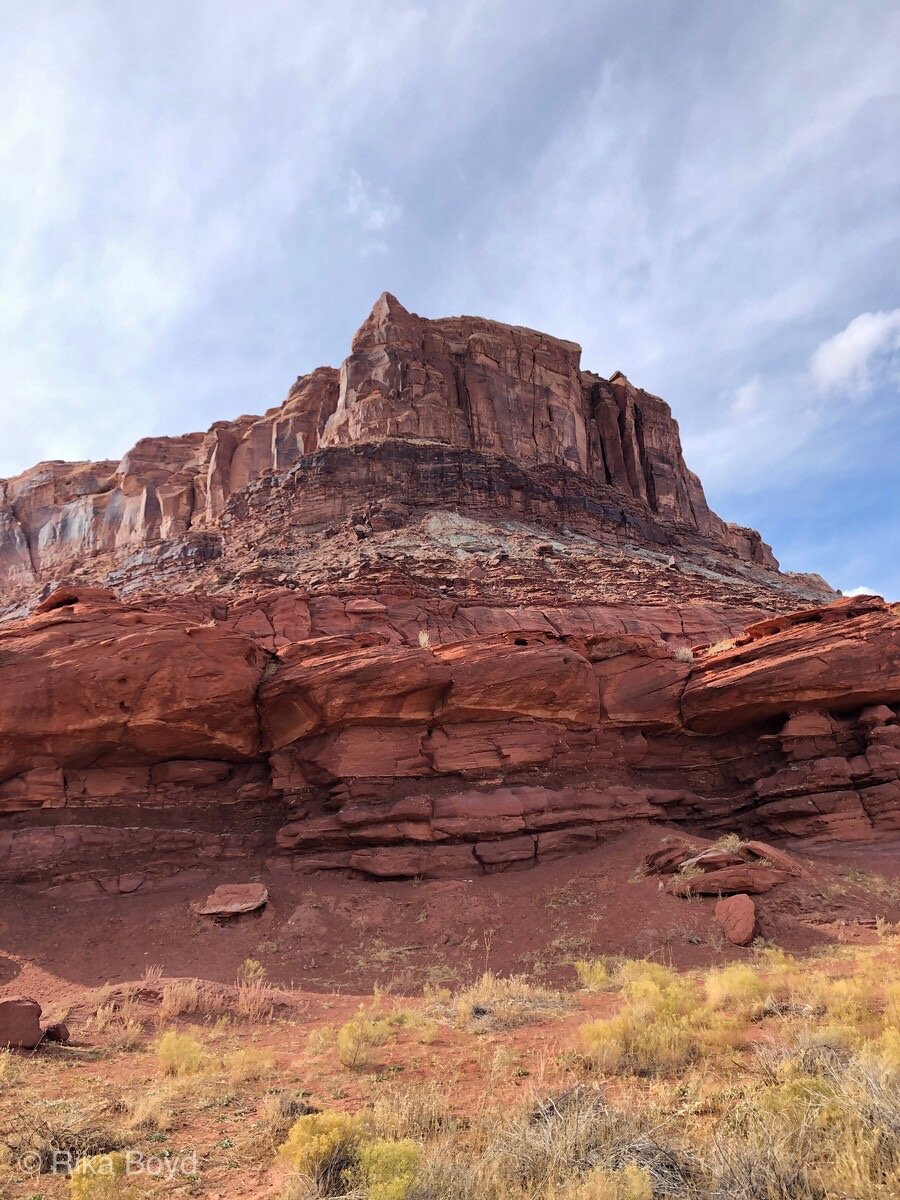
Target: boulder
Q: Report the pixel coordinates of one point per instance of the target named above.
(232, 899)
(737, 917)
(727, 881)
(20, 1023)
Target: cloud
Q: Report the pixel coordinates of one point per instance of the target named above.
(851, 359)
(198, 204)
(861, 591)
(373, 207)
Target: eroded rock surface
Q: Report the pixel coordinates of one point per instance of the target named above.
(458, 608)
(426, 418)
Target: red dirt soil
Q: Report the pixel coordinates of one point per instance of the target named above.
(327, 933)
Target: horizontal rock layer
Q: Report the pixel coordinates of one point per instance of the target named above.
(335, 736)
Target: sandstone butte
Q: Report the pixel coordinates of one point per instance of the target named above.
(455, 608)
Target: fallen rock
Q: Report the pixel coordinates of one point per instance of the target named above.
(57, 1032)
(683, 857)
(737, 917)
(20, 1023)
(232, 899)
(714, 859)
(727, 881)
(666, 860)
(778, 858)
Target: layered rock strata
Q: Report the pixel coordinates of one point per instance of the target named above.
(339, 738)
(441, 612)
(459, 415)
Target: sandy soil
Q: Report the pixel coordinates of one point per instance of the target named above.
(327, 933)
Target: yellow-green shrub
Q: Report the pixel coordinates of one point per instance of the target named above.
(662, 1026)
(634, 970)
(593, 974)
(320, 1145)
(357, 1037)
(885, 1049)
(98, 1177)
(738, 987)
(388, 1169)
(179, 1053)
(241, 1066)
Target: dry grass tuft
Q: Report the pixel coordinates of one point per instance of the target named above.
(495, 1002)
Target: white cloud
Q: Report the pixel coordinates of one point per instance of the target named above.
(861, 591)
(852, 359)
(747, 399)
(196, 203)
(373, 207)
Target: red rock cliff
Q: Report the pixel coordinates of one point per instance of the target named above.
(446, 611)
(464, 394)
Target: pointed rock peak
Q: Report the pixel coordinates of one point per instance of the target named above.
(387, 314)
(618, 377)
(390, 305)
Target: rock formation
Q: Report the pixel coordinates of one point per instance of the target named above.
(447, 611)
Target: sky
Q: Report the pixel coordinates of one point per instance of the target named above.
(199, 202)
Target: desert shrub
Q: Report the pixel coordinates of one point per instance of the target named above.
(280, 1110)
(46, 1130)
(255, 998)
(643, 1043)
(737, 987)
(9, 1073)
(637, 970)
(387, 1169)
(179, 997)
(98, 1177)
(824, 1125)
(732, 842)
(251, 971)
(496, 1002)
(683, 653)
(661, 1026)
(603, 1183)
(118, 1021)
(884, 1049)
(593, 974)
(565, 1140)
(356, 1039)
(180, 1054)
(322, 1147)
(247, 1064)
(423, 1113)
(150, 1111)
(782, 970)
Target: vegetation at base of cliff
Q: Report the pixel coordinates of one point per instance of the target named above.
(772, 1078)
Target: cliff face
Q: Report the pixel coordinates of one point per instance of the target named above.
(390, 740)
(463, 386)
(448, 610)
(57, 514)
